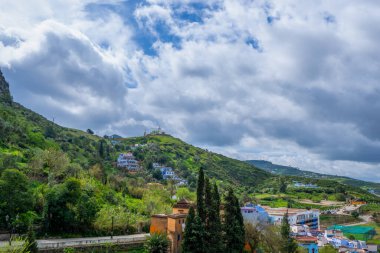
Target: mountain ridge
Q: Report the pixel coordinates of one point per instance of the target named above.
(292, 171)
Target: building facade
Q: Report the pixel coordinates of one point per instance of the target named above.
(128, 161)
(172, 224)
(295, 216)
(254, 214)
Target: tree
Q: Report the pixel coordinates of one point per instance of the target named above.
(282, 185)
(209, 212)
(216, 220)
(101, 149)
(15, 195)
(90, 131)
(50, 132)
(200, 196)
(288, 245)
(157, 174)
(185, 193)
(355, 214)
(327, 249)
(213, 227)
(252, 236)
(50, 162)
(233, 224)
(192, 241)
(157, 243)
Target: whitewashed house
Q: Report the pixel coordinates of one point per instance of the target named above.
(128, 161)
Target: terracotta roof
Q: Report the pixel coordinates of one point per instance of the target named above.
(183, 203)
(159, 215)
(177, 215)
(306, 239)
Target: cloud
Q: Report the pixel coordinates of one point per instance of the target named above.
(292, 82)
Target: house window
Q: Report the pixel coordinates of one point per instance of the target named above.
(178, 237)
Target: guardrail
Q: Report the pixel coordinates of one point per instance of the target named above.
(86, 242)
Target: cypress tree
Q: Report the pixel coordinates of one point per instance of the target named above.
(101, 149)
(233, 224)
(200, 196)
(215, 222)
(289, 245)
(194, 234)
(209, 212)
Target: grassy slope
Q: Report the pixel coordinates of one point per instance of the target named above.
(23, 130)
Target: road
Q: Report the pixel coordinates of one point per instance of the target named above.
(365, 218)
(87, 241)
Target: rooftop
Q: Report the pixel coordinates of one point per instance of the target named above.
(182, 203)
(283, 210)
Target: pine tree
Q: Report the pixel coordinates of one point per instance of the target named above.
(233, 224)
(200, 196)
(289, 245)
(194, 234)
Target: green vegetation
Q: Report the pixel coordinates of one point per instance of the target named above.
(333, 219)
(204, 231)
(370, 208)
(291, 171)
(63, 182)
(157, 243)
(289, 245)
(328, 249)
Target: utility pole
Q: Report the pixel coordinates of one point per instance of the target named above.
(7, 218)
(112, 228)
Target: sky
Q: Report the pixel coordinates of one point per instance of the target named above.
(292, 82)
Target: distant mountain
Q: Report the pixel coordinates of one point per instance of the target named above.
(292, 171)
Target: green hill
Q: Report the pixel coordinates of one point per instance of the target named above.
(64, 181)
(291, 171)
(187, 160)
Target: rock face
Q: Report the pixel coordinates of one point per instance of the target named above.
(5, 95)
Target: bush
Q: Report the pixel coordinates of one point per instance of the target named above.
(157, 243)
(355, 214)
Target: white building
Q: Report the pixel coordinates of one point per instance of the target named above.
(295, 216)
(300, 230)
(167, 172)
(254, 214)
(127, 160)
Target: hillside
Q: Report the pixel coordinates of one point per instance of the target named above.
(65, 181)
(291, 171)
(187, 160)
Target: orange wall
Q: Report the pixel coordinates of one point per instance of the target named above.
(158, 225)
